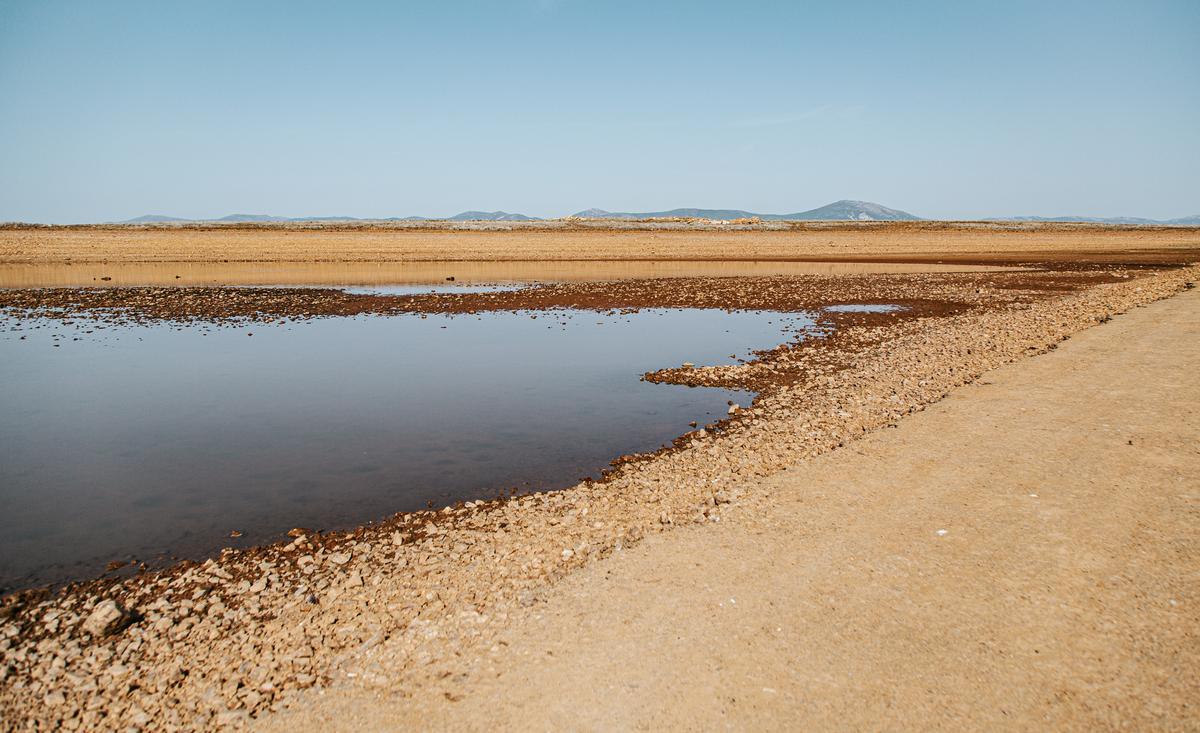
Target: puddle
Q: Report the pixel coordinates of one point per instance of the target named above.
(140, 441)
(419, 289)
(864, 308)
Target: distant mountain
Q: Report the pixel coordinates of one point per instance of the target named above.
(845, 210)
(837, 211)
(491, 216)
(1182, 221)
(260, 218)
(851, 210)
(252, 218)
(673, 213)
(152, 219)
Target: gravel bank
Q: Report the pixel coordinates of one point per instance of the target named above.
(212, 644)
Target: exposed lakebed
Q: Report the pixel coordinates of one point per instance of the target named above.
(147, 441)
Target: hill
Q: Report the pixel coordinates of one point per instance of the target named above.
(837, 211)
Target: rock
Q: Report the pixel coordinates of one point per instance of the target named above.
(106, 618)
(354, 580)
(298, 532)
(734, 408)
(235, 534)
(54, 699)
(339, 558)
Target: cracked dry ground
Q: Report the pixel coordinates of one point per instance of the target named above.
(417, 603)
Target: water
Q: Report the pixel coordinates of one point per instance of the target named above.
(864, 308)
(143, 440)
(425, 289)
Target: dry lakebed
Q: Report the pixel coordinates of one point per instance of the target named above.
(405, 592)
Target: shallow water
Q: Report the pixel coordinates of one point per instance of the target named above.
(141, 441)
(41, 275)
(864, 308)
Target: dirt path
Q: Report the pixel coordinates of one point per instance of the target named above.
(1023, 554)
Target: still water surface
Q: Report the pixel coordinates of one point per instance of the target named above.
(145, 441)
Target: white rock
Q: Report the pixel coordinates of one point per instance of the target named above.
(104, 619)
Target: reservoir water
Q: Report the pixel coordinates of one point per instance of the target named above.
(148, 442)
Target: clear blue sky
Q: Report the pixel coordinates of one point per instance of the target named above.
(966, 109)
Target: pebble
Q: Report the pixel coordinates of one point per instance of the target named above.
(105, 618)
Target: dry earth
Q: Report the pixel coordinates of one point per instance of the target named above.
(550, 241)
(434, 603)
(1021, 556)
(420, 604)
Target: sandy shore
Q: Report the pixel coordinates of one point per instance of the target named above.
(1019, 556)
(424, 603)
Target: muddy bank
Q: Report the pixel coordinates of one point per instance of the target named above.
(209, 644)
(211, 274)
(922, 293)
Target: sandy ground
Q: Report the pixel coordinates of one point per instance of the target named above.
(1036, 612)
(893, 241)
(1021, 555)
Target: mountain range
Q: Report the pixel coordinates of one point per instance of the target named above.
(1183, 221)
(258, 218)
(844, 210)
(837, 211)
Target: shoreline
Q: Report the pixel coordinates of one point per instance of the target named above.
(446, 570)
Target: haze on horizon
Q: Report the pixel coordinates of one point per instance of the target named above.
(545, 107)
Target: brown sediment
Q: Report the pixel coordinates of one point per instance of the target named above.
(209, 644)
(777, 293)
(124, 274)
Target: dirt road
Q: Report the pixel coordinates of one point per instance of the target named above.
(1021, 555)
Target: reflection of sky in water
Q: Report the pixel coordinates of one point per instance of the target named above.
(137, 440)
(419, 289)
(864, 308)
(410, 288)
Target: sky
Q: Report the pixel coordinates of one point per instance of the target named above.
(958, 109)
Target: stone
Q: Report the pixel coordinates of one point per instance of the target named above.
(339, 558)
(106, 618)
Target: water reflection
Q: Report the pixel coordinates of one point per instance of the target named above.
(139, 440)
